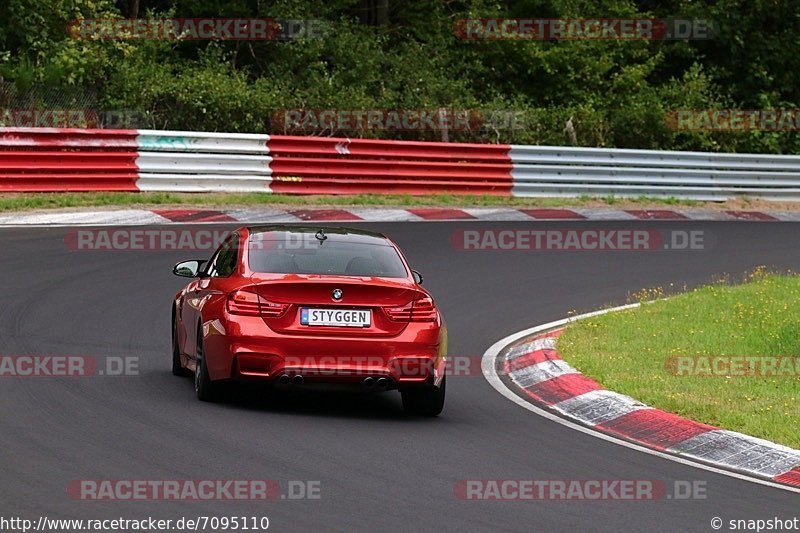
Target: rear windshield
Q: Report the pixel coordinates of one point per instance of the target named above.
(333, 258)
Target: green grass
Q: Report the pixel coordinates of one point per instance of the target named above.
(15, 202)
(630, 351)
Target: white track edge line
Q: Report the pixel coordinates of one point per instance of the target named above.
(489, 372)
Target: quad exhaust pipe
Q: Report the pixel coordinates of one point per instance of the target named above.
(369, 382)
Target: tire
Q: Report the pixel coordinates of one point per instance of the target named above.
(424, 402)
(177, 368)
(206, 390)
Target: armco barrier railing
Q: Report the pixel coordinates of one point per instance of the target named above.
(63, 160)
(41, 159)
(323, 165)
(557, 171)
(46, 159)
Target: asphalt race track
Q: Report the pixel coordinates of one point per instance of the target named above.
(378, 469)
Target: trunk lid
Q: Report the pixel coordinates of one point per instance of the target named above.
(316, 292)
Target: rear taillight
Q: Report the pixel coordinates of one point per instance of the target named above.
(245, 302)
(272, 309)
(242, 302)
(421, 310)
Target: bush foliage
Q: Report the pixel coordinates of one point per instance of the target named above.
(379, 54)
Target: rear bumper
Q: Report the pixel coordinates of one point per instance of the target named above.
(245, 348)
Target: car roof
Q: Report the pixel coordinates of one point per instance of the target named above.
(335, 234)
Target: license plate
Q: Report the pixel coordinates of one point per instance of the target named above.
(350, 318)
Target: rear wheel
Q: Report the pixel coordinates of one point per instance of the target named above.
(424, 402)
(177, 367)
(206, 390)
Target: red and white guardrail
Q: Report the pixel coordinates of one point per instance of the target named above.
(42, 159)
(49, 159)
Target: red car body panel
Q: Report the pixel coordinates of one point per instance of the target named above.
(408, 353)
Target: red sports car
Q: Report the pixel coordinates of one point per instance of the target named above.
(298, 306)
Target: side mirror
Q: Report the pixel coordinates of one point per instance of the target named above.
(417, 277)
(188, 269)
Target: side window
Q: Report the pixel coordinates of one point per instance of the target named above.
(224, 262)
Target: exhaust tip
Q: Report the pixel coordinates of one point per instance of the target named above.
(382, 383)
(369, 382)
(284, 379)
(297, 380)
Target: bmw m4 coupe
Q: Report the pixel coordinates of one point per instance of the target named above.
(299, 306)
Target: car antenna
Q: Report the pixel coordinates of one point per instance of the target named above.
(320, 236)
